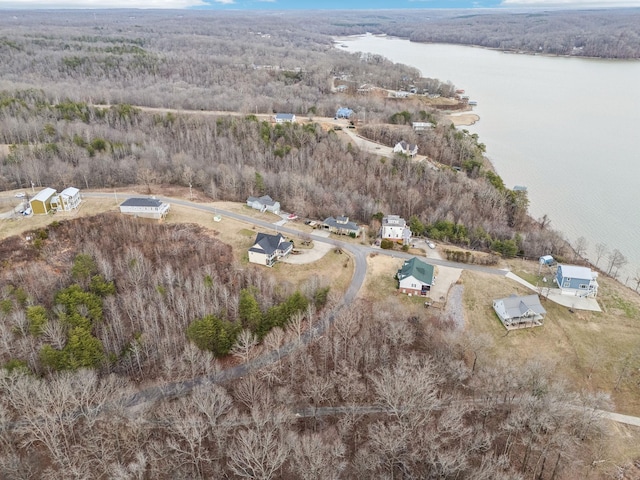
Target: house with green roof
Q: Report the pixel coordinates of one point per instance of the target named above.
(415, 277)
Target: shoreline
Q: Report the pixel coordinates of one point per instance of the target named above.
(463, 119)
(502, 50)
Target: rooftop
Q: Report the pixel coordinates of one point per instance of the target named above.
(141, 202)
(44, 194)
(418, 269)
(575, 271)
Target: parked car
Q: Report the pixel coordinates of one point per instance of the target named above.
(292, 216)
(20, 195)
(431, 245)
(28, 211)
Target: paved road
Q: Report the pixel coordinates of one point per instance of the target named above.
(359, 252)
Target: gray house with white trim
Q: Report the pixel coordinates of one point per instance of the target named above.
(515, 311)
(341, 226)
(144, 207)
(264, 204)
(285, 118)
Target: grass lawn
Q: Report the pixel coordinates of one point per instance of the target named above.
(588, 349)
(21, 224)
(381, 284)
(333, 269)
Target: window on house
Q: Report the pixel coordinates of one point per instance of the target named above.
(583, 286)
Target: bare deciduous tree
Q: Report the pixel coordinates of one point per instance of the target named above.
(616, 261)
(601, 251)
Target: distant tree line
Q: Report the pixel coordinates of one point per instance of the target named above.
(602, 33)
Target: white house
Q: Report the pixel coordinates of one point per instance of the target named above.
(515, 311)
(421, 126)
(406, 148)
(415, 277)
(144, 207)
(264, 204)
(285, 118)
(67, 200)
(576, 280)
(395, 228)
(268, 249)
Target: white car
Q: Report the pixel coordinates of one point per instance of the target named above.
(431, 245)
(20, 195)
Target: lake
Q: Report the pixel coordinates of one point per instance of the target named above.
(566, 128)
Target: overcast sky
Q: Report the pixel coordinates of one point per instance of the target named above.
(313, 4)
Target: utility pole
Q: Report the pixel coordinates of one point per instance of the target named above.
(190, 192)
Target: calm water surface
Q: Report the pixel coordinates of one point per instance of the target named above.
(567, 128)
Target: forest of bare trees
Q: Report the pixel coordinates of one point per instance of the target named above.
(311, 171)
(378, 396)
(211, 63)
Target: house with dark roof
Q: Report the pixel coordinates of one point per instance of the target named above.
(406, 148)
(516, 312)
(576, 280)
(268, 249)
(144, 207)
(264, 204)
(342, 226)
(415, 277)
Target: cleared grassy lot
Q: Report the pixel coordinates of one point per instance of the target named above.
(592, 350)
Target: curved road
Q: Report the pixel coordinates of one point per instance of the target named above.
(359, 252)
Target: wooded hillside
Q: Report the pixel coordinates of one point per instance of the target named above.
(95, 307)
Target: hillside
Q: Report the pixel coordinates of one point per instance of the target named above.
(97, 318)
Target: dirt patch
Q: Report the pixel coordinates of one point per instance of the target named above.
(464, 119)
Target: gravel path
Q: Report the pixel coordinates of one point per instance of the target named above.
(454, 308)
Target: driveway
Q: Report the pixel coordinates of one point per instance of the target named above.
(553, 294)
(445, 278)
(319, 250)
